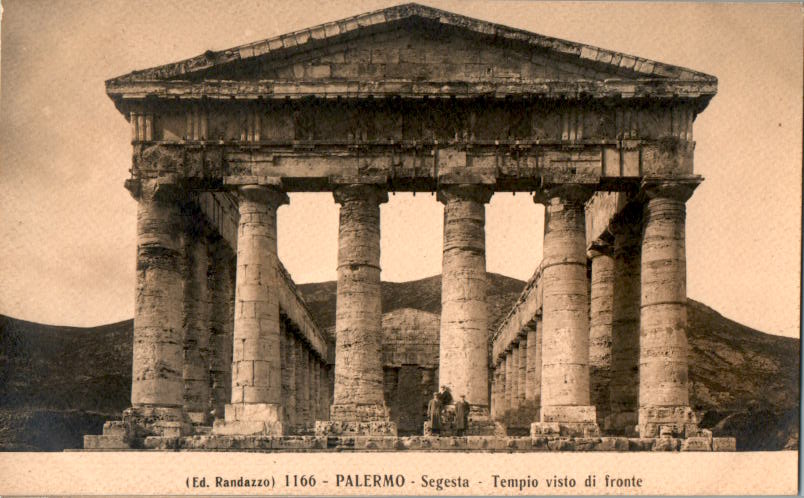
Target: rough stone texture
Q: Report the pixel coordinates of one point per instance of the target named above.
(326, 387)
(565, 314)
(336, 442)
(513, 410)
(463, 355)
(221, 324)
(358, 326)
(508, 373)
(498, 392)
(304, 366)
(157, 355)
(256, 404)
(285, 345)
(410, 337)
(600, 327)
(458, 146)
(533, 380)
(663, 354)
(521, 384)
(158, 342)
(302, 410)
(314, 388)
(196, 310)
(624, 383)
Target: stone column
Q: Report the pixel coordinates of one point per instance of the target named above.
(663, 349)
(464, 335)
(220, 342)
(256, 406)
(196, 310)
(284, 346)
(522, 363)
(508, 369)
(565, 314)
(323, 412)
(315, 391)
(600, 325)
(514, 359)
(533, 381)
(292, 379)
(627, 230)
(307, 379)
(359, 406)
(157, 385)
(302, 413)
(495, 392)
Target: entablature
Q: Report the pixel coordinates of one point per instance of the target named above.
(518, 166)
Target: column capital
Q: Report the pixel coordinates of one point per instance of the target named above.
(469, 192)
(574, 192)
(600, 247)
(357, 191)
(679, 189)
(163, 189)
(270, 195)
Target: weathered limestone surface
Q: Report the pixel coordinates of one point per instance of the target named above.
(302, 408)
(157, 366)
(565, 315)
(358, 393)
(463, 355)
(513, 416)
(256, 404)
(221, 324)
(533, 379)
(600, 326)
(196, 310)
(508, 372)
(287, 370)
(624, 384)
(663, 348)
(207, 131)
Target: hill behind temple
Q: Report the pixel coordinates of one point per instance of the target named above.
(59, 383)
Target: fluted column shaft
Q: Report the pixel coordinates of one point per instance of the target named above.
(463, 349)
(663, 348)
(358, 321)
(256, 405)
(565, 310)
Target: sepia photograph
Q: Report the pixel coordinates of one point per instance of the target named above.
(269, 247)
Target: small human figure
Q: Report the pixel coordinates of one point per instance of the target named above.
(434, 414)
(445, 396)
(461, 416)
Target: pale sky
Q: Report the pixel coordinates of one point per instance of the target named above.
(67, 225)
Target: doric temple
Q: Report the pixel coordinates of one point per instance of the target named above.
(410, 99)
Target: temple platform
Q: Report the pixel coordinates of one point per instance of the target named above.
(507, 444)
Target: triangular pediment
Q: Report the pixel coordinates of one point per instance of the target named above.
(414, 43)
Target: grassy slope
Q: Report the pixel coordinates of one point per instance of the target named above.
(57, 383)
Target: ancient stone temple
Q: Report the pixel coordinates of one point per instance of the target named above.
(411, 99)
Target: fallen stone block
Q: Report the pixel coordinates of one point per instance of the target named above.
(724, 444)
(696, 444)
(95, 442)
